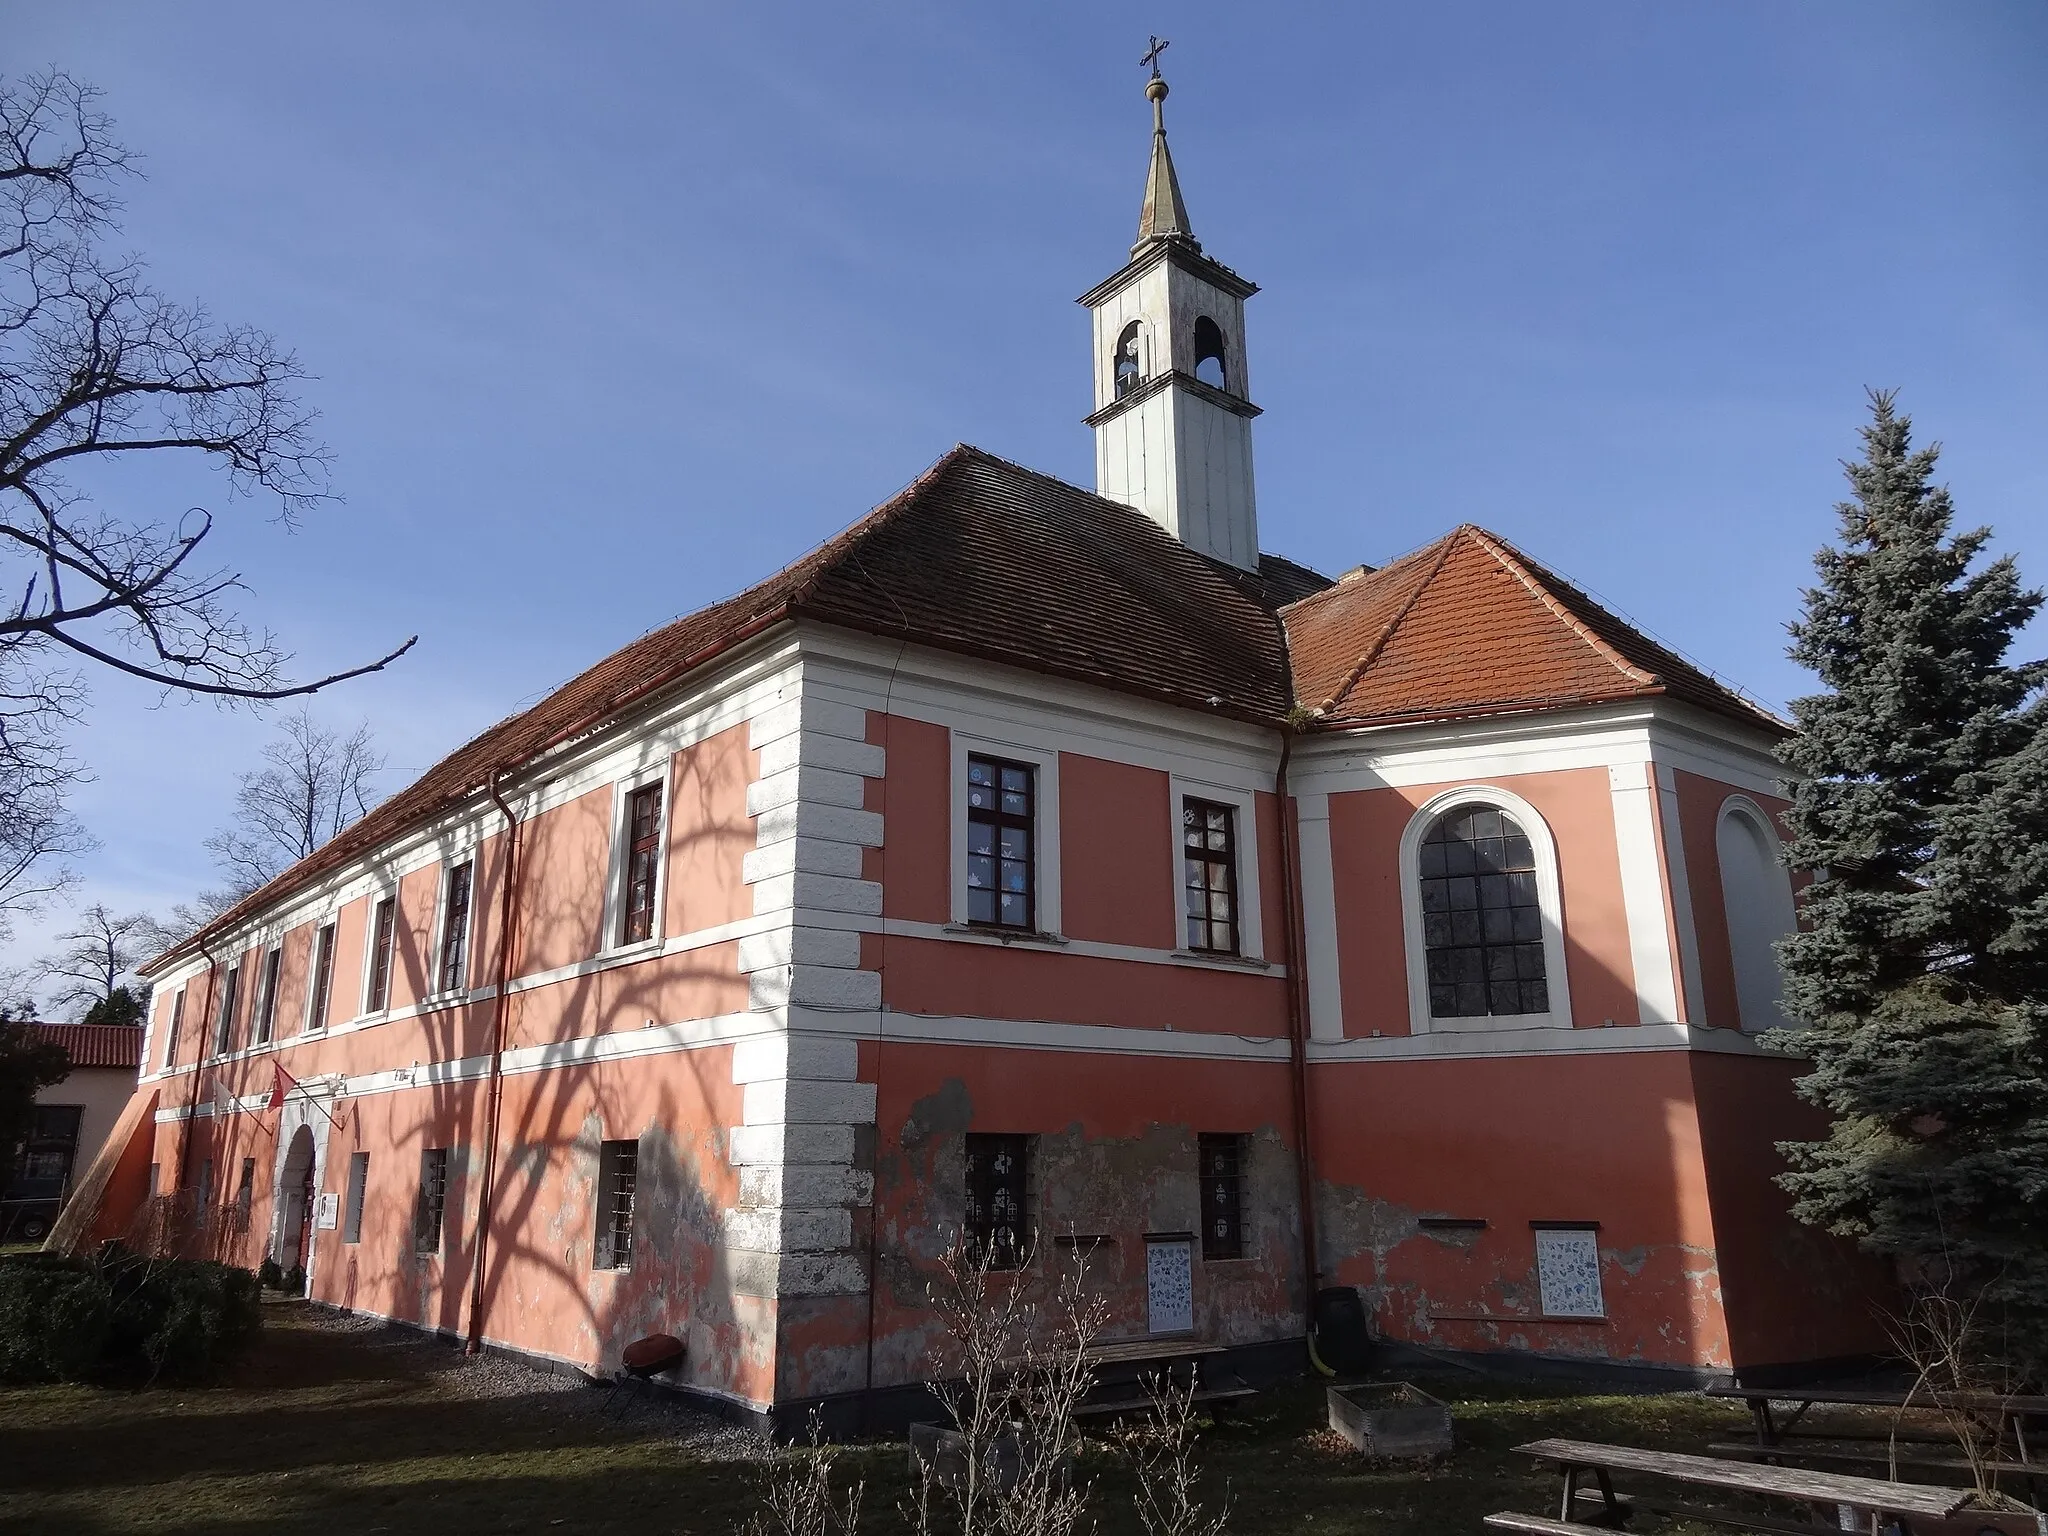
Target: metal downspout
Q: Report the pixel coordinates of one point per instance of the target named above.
(494, 1091)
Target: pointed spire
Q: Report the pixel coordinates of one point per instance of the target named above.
(1164, 216)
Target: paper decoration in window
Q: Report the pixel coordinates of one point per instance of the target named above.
(1568, 1272)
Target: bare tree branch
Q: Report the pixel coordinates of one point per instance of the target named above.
(314, 782)
(98, 953)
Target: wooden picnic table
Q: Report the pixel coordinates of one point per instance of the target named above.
(1819, 1491)
(2012, 1410)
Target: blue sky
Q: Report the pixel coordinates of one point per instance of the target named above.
(614, 309)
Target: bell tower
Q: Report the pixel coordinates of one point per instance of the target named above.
(1173, 414)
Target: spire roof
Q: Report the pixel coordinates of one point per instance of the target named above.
(1164, 216)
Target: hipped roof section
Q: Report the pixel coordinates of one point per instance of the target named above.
(1470, 626)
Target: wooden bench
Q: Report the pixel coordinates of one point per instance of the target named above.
(1860, 1454)
(2012, 1412)
(1819, 1491)
(1165, 1353)
(1542, 1525)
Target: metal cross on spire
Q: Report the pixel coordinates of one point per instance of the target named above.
(1159, 46)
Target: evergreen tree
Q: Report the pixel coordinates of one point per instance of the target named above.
(1921, 808)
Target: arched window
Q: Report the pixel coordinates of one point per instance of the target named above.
(1482, 921)
(1756, 895)
(1209, 361)
(1130, 367)
(1482, 915)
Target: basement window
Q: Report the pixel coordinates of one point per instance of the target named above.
(997, 1222)
(433, 1200)
(1222, 1160)
(618, 1170)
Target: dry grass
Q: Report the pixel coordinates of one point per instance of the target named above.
(334, 1427)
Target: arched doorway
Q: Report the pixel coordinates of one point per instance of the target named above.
(295, 1203)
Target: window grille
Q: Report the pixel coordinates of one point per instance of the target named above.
(643, 863)
(455, 929)
(266, 1004)
(997, 1222)
(618, 1169)
(224, 1020)
(1209, 875)
(1482, 921)
(323, 978)
(1222, 1163)
(358, 1184)
(426, 1225)
(1001, 815)
(383, 927)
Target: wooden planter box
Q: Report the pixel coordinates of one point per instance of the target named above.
(1391, 1420)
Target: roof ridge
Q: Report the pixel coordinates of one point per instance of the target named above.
(1379, 641)
(1515, 564)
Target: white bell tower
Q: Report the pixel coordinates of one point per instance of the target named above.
(1173, 414)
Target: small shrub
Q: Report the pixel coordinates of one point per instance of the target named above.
(121, 1314)
(295, 1281)
(269, 1276)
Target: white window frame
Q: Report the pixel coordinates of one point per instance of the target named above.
(308, 1025)
(1548, 894)
(1045, 831)
(449, 865)
(264, 1005)
(221, 1030)
(615, 881)
(377, 893)
(174, 1026)
(1786, 915)
(1244, 804)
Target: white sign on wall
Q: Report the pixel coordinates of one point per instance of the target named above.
(1170, 1285)
(329, 1213)
(1568, 1272)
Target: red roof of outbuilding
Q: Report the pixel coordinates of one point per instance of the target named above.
(97, 1045)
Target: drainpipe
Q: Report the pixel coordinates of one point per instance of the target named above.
(494, 1092)
(1297, 1027)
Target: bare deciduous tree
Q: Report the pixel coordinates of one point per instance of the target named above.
(96, 369)
(314, 782)
(99, 951)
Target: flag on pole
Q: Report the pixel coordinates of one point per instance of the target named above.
(285, 1081)
(224, 1101)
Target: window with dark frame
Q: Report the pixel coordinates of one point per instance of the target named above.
(1002, 808)
(265, 1018)
(383, 930)
(1222, 1159)
(323, 978)
(224, 1018)
(1482, 920)
(358, 1183)
(618, 1167)
(245, 1194)
(643, 863)
(997, 1221)
(455, 929)
(43, 1168)
(1209, 875)
(433, 1200)
(177, 1023)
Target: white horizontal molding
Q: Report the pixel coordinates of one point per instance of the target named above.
(1058, 944)
(1608, 1040)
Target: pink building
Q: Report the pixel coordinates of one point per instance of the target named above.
(1031, 860)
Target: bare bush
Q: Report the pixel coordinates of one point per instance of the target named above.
(1961, 1372)
(1161, 1451)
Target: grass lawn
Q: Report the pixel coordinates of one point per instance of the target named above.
(333, 1426)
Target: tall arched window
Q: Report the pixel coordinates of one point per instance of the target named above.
(1130, 367)
(1210, 366)
(1756, 895)
(1482, 919)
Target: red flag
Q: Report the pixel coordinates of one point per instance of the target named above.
(277, 1091)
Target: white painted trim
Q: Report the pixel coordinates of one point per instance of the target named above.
(1548, 893)
(226, 1001)
(307, 1026)
(1045, 830)
(265, 996)
(1681, 894)
(1472, 1044)
(1630, 788)
(1251, 931)
(377, 895)
(1785, 913)
(609, 942)
(1319, 916)
(437, 957)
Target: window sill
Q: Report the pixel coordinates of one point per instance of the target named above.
(1521, 1320)
(1485, 1023)
(1217, 957)
(647, 946)
(991, 933)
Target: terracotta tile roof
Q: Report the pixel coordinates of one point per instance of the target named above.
(97, 1045)
(978, 556)
(1471, 626)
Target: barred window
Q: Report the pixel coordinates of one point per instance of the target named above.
(618, 1169)
(1209, 875)
(997, 1220)
(1482, 922)
(383, 929)
(1221, 1158)
(433, 1200)
(455, 929)
(643, 864)
(358, 1186)
(1002, 886)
